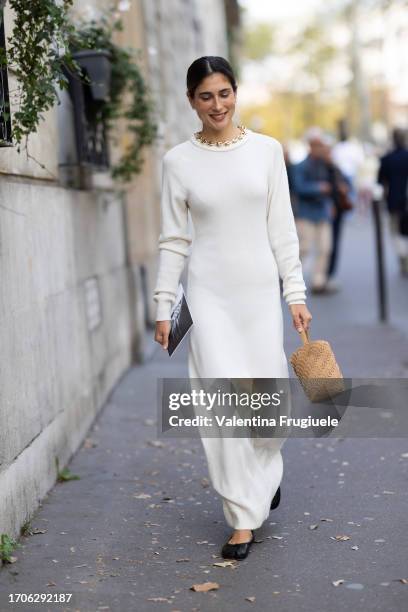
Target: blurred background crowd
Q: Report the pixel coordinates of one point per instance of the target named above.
(331, 182)
(331, 82)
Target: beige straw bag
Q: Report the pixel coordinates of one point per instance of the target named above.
(316, 367)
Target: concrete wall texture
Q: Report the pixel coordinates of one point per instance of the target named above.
(72, 311)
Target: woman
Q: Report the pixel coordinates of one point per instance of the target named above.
(234, 183)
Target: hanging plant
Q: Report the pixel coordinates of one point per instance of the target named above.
(37, 50)
(40, 52)
(128, 99)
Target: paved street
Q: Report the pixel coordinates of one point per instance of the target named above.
(142, 525)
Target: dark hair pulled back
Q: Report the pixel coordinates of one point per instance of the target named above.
(203, 67)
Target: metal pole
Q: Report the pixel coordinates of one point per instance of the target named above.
(381, 281)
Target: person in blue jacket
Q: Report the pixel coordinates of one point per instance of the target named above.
(315, 208)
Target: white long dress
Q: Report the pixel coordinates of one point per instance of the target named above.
(244, 239)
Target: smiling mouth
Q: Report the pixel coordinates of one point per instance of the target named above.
(218, 115)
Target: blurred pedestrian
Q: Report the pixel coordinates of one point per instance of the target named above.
(393, 175)
(315, 208)
(342, 193)
(348, 155)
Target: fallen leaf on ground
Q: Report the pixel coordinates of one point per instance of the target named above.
(313, 526)
(141, 496)
(164, 599)
(89, 443)
(156, 443)
(205, 586)
(225, 564)
(251, 599)
(341, 538)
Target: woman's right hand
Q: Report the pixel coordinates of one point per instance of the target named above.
(162, 333)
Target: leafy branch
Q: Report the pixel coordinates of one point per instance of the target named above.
(40, 51)
(129, 97)
(37, 50)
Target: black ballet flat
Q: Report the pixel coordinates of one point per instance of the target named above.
(276, 499)
(237, 551)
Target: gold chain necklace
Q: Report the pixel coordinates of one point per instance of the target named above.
(222, 143)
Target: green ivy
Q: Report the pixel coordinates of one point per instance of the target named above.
(40, 48)
(65, 474)
(36, 52)
(126, 78)
(7, 546)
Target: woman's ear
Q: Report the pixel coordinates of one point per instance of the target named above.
(190, 100)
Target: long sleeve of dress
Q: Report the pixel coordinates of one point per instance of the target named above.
(174, 239)
(282, 231)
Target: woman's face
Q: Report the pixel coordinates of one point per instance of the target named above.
(214, 101)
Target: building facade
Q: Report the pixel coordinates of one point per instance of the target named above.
(78, 266)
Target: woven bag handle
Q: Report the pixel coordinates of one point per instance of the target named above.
(305, 336)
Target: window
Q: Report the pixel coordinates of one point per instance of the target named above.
(5, 118)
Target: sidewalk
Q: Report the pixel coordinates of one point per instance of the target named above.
(142, 525)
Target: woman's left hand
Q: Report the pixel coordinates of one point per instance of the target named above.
(301, 316)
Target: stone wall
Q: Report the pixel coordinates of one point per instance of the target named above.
(77, 268)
